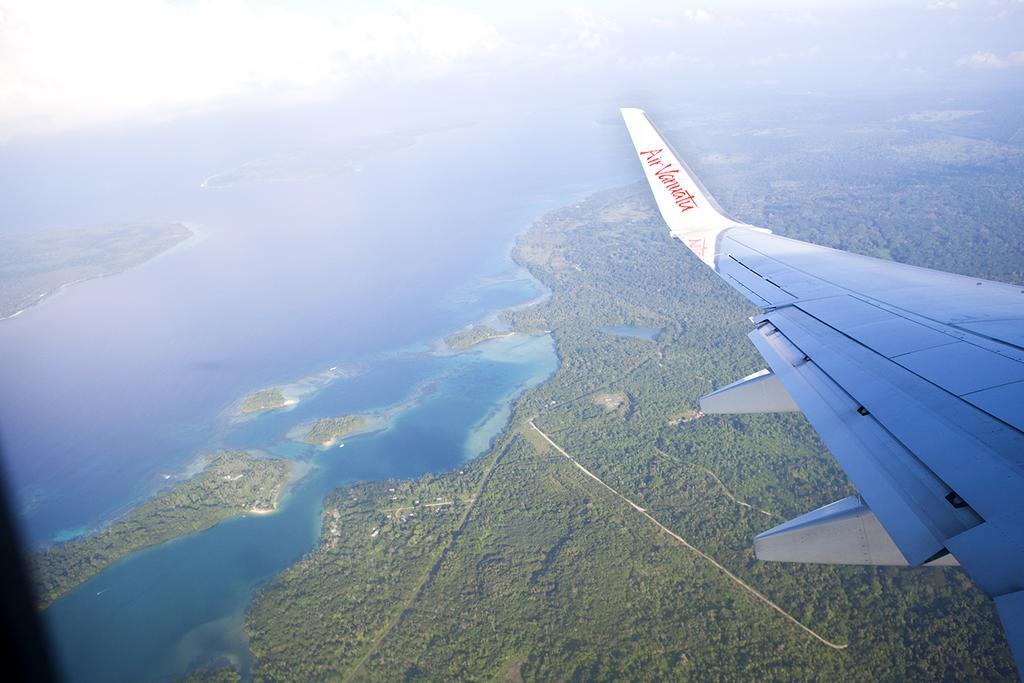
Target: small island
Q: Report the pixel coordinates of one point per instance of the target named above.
(231, 484)
(339, 158)
(328, 431)
(473, 335)
(265, 400)
(291, 168)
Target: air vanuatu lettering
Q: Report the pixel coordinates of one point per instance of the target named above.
(667, 174)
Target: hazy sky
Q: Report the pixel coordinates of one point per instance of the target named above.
(66, 64)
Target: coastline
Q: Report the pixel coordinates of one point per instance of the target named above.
(168, 481)
(220, 491)
(294, 392)
(374, 422)
(441, 346)
(482, 436)
(197, 236)
(306, 387)
(328, 474)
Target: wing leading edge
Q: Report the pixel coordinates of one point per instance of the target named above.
(914, 379)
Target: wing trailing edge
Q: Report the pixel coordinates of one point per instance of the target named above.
(914, 379)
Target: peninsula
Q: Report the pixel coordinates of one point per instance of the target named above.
(473, 335)
(231, 484)
(35, 265)
(606, 534)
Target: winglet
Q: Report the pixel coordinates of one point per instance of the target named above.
(690, 211)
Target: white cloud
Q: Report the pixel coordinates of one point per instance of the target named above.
(896, 56)
(699, 15)
(66, 63)
(591, 29)
(990, 60)
(810, 54)
(983, 60)
(672, 58)
(800, 18)
(944, 5)
(685, 16)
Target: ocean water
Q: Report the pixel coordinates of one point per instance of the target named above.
(117, 384)
(167, 608)
(116, 381)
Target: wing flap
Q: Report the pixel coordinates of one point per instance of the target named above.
(900, 491)
(968, 450)
(760, 291)
(760, 392)
(1005, 402)
(843, 532)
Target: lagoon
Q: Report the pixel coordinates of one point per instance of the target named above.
(117, 387)
(114, 389)
(168, 608)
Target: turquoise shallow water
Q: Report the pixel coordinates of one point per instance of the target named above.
(155, 614)
(109, 391)
(117, 381)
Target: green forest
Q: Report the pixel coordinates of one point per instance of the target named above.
(471, 336)
(263, 401)
(35, 265)
(327, 431)
(230, 484)
(522, 567)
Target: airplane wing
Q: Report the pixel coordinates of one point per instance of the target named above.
(914, 378)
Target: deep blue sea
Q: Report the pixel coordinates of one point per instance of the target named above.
(111, 389)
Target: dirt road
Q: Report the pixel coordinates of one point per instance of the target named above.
(737, 580)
